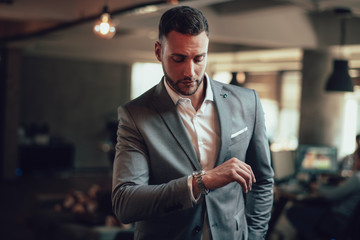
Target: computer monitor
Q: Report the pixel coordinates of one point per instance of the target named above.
(315, 159)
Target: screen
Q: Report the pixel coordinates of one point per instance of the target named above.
(317, 159)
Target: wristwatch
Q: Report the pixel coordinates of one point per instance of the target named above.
(198, 178)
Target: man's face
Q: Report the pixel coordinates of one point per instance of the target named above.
(183, 59)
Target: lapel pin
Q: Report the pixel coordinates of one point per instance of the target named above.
(225, 95)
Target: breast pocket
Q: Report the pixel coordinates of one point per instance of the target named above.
(238, 135)
(238, 143)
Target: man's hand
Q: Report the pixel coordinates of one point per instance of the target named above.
(230, 171)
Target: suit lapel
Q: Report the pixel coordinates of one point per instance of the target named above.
(165, 107)
(221, 98)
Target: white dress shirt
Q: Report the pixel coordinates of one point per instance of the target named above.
(202, 125)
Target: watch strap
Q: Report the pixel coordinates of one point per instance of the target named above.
(198, 179)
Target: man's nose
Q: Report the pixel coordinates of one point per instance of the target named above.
(189, 69)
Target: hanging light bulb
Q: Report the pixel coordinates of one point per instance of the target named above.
(104, 26)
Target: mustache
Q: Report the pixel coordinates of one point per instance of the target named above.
(189, 79)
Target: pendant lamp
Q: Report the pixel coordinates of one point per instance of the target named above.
(238, 78)
(104, 26)
(340, 79)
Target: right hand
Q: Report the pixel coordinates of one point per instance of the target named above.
(232, 170)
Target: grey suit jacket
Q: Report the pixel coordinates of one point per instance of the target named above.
(155, 156)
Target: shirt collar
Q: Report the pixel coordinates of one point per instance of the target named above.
(175, 97)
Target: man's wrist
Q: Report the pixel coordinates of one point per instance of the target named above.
(199, 186)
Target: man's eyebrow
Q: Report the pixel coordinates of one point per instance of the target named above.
(201, 54)
(183, 55)
(178, 55)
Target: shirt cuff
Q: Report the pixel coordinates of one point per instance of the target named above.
(193, 199)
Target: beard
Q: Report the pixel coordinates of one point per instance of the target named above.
(179, 87)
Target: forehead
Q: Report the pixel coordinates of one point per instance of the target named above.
(181, 43)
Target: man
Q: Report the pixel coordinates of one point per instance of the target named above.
(191, 150)
(351, 163)
(328, 211)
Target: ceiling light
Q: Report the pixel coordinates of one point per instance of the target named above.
(104, 26)
(238, 78)
(173, 2)
(340, 79)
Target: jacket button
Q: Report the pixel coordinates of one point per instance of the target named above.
(196, 230)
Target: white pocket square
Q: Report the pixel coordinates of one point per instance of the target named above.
(239, 132)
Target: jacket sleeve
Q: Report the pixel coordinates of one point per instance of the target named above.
(259, 200)
(133, 199)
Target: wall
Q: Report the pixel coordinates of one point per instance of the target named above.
(75, 98)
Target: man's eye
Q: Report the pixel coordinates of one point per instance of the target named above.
(199, 58)
(178, 58)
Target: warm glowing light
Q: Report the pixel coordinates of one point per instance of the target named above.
(241, 77)
(223, 76)
(104, 27)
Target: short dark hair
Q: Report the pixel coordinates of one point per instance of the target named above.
(183, 19)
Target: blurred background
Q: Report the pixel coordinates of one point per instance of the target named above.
(61, 82)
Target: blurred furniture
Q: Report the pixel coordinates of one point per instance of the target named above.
(45, 159)
(349, 232)
(344, 229)
(354, 229)
(48, 223)
(283, 193)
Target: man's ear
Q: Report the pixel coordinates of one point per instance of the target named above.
(158, 50)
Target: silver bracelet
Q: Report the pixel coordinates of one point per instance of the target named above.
(198, 178)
